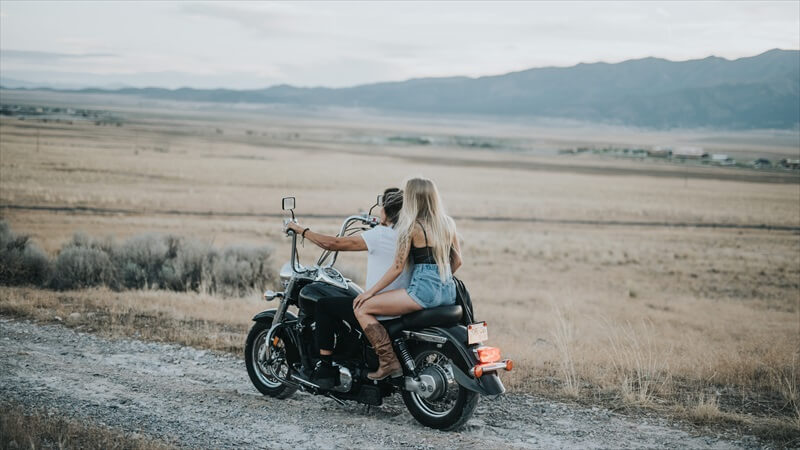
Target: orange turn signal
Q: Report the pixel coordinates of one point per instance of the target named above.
(478, 371)
(488, 354)
(509, 364)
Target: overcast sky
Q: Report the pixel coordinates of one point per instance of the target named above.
(253, 45)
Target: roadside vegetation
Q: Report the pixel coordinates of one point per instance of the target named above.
(147, 261)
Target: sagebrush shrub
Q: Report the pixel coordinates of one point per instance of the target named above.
(240, 270)
(191, 269)
(146, 261)
(21, 261)
(81, 267)
(141, 258)
(83, 240)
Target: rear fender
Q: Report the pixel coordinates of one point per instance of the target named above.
(488, 384)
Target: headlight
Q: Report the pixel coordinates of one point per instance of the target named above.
(286, 274)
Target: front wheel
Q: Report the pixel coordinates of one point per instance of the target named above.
(255, 352)
(450, 405)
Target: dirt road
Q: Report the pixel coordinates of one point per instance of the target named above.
(199, 399)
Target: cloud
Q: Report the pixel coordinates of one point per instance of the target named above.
(347, 43)
(167, 79)
(264, 19)
(50, 57)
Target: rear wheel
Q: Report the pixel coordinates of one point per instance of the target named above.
(450, 405)
(255, 352)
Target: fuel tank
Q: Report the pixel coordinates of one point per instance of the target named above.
(311, 293)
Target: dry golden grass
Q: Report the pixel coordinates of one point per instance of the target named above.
(189, 319)
(38, 429)
(625, 316)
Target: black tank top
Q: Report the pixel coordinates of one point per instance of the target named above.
(422, 255)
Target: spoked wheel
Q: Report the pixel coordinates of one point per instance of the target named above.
(255, 355)
(449, 405)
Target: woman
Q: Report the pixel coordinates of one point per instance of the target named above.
(381, 245)
(428, 236)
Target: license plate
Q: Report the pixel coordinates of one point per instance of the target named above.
(477, 332)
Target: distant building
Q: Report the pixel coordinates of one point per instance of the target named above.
(790, 163)
(761, 163)
(660, 151)
(722, 159)
(688, 152)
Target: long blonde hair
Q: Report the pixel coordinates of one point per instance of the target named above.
(421, 203)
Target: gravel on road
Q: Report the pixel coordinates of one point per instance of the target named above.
(201, 399)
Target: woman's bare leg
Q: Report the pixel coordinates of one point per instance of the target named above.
(391, 303)
(396, 302)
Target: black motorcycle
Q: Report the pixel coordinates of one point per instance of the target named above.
(445, 367)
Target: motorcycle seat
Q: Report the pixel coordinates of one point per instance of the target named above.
(431, 317)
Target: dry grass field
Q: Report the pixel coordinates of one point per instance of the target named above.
(638, 285)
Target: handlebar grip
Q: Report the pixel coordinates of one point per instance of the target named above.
(286, 228)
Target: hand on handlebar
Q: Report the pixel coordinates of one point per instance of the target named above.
(290, 225)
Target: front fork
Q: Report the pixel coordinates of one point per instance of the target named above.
(277, 319)
(284, 304)
(277, 322)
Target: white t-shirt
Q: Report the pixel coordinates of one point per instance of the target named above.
(382, 247)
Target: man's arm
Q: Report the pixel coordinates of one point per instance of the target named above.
(332, 243)
(341, 244)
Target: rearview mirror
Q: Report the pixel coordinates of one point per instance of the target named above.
(288, 203)
(380, 200)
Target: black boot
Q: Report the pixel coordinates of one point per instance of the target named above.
(325, 375)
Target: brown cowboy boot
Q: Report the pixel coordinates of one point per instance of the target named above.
(388, 365)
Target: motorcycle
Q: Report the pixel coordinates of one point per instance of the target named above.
(445, 366)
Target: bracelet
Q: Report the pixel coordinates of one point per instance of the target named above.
(303, 235)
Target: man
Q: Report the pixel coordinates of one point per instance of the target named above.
(381, 245)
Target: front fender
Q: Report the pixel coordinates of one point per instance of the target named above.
(268, 315)
(488, 384)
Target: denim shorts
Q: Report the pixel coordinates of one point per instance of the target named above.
(428, 290)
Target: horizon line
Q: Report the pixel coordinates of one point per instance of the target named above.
(581, 63)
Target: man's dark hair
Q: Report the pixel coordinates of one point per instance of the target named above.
(392, 204)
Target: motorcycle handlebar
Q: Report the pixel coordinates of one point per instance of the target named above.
(365, 219)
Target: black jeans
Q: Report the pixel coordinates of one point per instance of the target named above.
(329, 312)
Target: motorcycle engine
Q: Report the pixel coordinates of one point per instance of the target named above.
(345, 380)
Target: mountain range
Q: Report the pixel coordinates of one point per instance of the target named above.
(761, 91)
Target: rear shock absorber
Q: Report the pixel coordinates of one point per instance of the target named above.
(405, 355)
